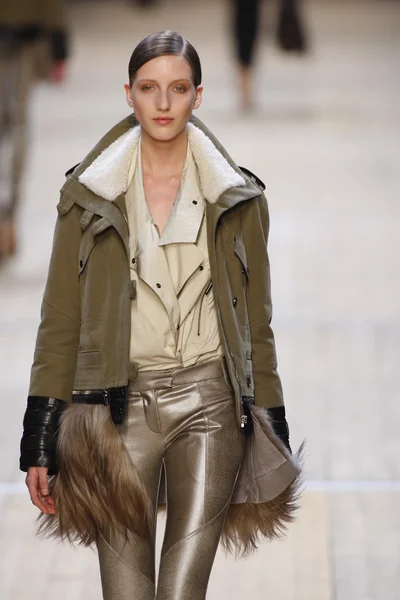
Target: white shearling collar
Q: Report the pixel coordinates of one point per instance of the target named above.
(108, 175)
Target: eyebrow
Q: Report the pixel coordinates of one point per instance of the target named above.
(155, 81)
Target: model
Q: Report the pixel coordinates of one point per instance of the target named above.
(154, 378)
(33, 47)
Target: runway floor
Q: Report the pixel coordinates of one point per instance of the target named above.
(325, 139)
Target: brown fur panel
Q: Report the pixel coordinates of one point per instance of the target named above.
(248, 524)
(97, 486)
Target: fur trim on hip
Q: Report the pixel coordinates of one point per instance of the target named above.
(267, 491)
(248, 524)
(97, 486)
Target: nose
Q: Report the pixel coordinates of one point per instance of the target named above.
(163, 101)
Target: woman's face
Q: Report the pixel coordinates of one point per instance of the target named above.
(163, 96)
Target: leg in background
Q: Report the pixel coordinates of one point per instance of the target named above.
(16, 74)
(7, 94)
(23, 85)
(246, 23)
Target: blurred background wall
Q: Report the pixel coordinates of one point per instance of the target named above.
(323, 134)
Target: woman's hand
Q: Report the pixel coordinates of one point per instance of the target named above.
(38, 487)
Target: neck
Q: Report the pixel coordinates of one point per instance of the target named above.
(163, 158)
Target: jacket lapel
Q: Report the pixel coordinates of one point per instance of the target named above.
(109, 210)
(115, 211)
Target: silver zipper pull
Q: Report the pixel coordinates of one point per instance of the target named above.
(243, 420)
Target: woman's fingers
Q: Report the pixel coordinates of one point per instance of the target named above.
(38, 487)
(50, 505)
(43, 482)
(32, 482)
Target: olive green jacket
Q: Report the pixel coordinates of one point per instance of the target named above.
(84, 337)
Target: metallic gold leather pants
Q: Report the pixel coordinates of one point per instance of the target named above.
(182, 419)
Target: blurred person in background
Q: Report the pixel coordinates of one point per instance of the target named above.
(144, 3)
(33, 46)
(290, 37)
(246, 16)
(155, 359)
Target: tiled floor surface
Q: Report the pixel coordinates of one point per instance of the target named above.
(325, 139)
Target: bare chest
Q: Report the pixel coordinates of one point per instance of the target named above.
(160, 197)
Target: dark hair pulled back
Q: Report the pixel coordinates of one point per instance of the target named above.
(160, 44)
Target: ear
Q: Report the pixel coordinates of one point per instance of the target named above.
(128, 96)
(199, 97)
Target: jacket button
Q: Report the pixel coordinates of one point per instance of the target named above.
(243, 271)
(248, 381)
(81, 263)
(201, 268)
(194, 201)
(133, 261)
(234, 300)
(158, 285)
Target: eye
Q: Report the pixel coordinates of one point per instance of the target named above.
(146, 87)
(180, 88)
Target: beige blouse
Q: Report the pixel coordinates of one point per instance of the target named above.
(174, 318)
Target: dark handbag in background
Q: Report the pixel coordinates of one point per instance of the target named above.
(290, 34)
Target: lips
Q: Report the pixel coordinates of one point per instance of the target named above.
(163, 120)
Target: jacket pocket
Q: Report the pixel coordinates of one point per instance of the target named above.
(89, 358)
(240, 252)
(239, 279)
(200, 328)
(89, 241)
(87, 245)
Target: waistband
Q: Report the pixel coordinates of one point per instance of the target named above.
(150, 380)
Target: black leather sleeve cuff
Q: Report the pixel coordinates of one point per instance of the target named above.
(277, 417)
(39, 439)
